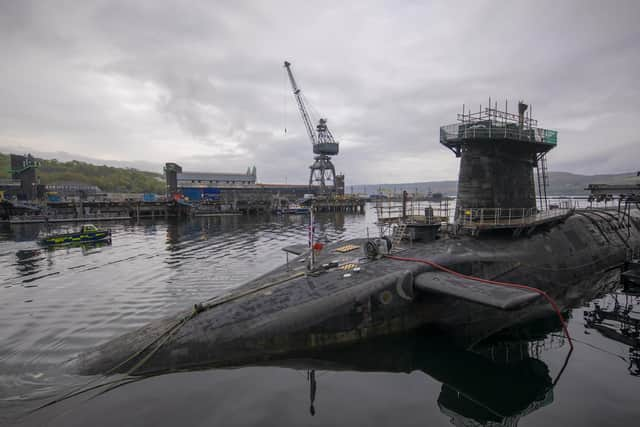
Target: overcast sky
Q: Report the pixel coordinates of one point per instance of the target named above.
(202, 83)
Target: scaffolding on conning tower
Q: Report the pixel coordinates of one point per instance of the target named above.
(489, 124)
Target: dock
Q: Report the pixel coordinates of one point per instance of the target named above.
(94, 210)
(347, 204)
(44, 219)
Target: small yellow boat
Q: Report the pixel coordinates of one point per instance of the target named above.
(88, 233)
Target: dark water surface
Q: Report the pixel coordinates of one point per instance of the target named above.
(57, 304)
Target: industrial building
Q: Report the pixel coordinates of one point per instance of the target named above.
(240, 192)
(215, 185)
(179, 181)
(209, 179)
(197, 186)
(23, 170)
(78, 190)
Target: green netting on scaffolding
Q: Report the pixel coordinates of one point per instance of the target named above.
(551, 136)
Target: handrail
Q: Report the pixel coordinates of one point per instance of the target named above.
(456, 132)
(413, 212)
(475, 217)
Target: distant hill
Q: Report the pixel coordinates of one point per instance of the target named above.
(560, 184)
(565, 183)
(125, 180)
(108, 178)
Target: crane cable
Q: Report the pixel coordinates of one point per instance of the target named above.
(494, 282)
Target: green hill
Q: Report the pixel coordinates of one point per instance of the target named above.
(108, 178)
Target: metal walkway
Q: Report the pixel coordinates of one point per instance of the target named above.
(497, 218)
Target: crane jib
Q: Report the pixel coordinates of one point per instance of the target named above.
(321, 135)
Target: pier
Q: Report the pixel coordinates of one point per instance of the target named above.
(232, 203)
(346, 204)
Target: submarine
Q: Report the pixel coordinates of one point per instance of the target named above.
(504, 260)
(497, 381)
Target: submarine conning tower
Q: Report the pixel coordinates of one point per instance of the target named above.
(499, 152)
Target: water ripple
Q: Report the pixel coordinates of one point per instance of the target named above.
(84, 296)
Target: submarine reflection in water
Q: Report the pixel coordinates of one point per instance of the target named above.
(492, 374)
(497, 382)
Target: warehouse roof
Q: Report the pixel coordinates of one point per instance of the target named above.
(214, 176)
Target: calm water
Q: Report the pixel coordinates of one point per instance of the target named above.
(56, 304)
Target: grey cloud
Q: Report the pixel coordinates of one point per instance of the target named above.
(202, 83)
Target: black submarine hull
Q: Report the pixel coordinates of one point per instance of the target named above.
(289, 309)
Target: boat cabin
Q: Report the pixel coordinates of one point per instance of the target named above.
(88, 228)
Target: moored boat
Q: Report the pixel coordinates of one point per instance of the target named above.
(293, 209)
(88, 233)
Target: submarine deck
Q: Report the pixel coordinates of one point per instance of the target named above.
(343, 268)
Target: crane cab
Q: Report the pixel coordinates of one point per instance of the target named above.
(326, 148)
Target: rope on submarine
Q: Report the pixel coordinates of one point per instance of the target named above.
(160, 341)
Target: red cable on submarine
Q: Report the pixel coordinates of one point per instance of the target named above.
(497, 283)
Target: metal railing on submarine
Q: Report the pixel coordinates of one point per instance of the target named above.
(506, 217)
(392, 213)
(413, 212)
